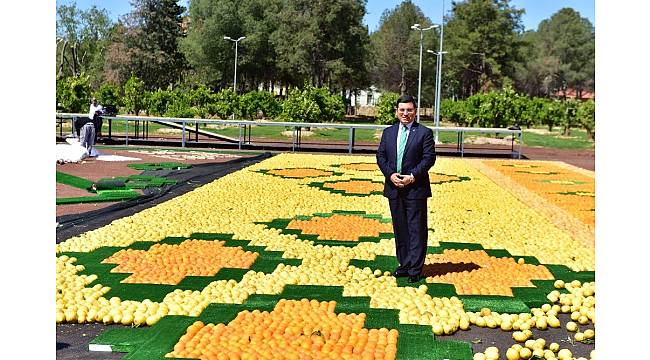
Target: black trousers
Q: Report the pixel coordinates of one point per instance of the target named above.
(410, 227)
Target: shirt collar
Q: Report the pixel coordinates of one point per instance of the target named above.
(408, 126)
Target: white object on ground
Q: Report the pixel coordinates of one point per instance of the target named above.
(116, 158)
(70, 153)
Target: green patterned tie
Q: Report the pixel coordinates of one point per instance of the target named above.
(400, 147)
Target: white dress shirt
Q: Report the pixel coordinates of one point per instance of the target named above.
(408, 126)
(93, 110)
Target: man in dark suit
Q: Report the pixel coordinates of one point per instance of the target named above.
(405, 155)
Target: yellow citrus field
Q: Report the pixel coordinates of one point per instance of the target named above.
(492, 232)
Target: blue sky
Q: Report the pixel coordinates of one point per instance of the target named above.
(536, 10)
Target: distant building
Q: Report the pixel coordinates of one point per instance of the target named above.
(367, 97)
(573, 94)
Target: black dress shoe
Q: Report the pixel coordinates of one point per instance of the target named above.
(398, 273)
(415, 278)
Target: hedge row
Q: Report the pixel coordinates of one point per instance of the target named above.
(498, 109)
(309, 104)
(506, 108)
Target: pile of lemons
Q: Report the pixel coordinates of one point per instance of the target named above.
(580, 302)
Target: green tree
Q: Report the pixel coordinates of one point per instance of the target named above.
(226, 103)
(312, 104)
(158, 101)
(554, 114)
(153, 30)
(323, 42)
(570, 118)
(82, 36)
(212, 57)
(397, 49)
(300, 108)
(587, 117)
(386, 108)
(73, 93)
(135, 98)
(109, 94)
(454, 111)
(483, 41)
(567, 42)
(255, 102)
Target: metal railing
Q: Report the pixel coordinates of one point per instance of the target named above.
(245, 129)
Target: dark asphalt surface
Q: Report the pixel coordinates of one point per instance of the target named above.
(72, 342)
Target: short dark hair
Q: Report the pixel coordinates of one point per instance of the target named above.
(406, 99)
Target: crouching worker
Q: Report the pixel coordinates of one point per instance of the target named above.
(88, 132)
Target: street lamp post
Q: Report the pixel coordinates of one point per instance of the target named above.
(438, 79)
(421, 30)
(438, 55)
(439, 72)
(234, 86)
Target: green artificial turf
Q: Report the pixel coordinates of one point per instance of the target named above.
(159, 166)
(414, 342)
(74, 181)
(102, 196)
(267, 262)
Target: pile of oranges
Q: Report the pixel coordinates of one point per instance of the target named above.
(496, 276)
(356, 186)
(169, 264)
(341, 227)
(295, 329)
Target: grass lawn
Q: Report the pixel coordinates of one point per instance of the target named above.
(579, 139)
(540, 136)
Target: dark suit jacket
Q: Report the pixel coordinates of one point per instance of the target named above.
(419, 156)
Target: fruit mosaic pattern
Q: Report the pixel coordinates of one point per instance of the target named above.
(316, 331)
(299, 172)
(169, 264)
(264, 246)
(567, 189)
(340, 227)
(496, 276)
(354, 187)
(185, 155)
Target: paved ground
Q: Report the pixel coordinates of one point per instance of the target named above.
(72, 339)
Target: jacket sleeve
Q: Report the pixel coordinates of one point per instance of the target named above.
(428, 155)
(382, 159)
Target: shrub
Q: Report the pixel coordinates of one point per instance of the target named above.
(73, 93)
(199, 100)
(134, 95)
(109, 94)
(569, 118)
(386, 108)
(553, 114)
(259, 101)
(313, 104)
(300, 108)
(454, 111)
(225, 103)
(587, 117)
(158, 101)
(180, 107)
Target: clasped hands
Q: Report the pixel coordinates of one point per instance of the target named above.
(401, 180)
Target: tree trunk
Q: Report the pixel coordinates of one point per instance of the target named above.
(75, 61)
(402, 85)
(65, 44)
